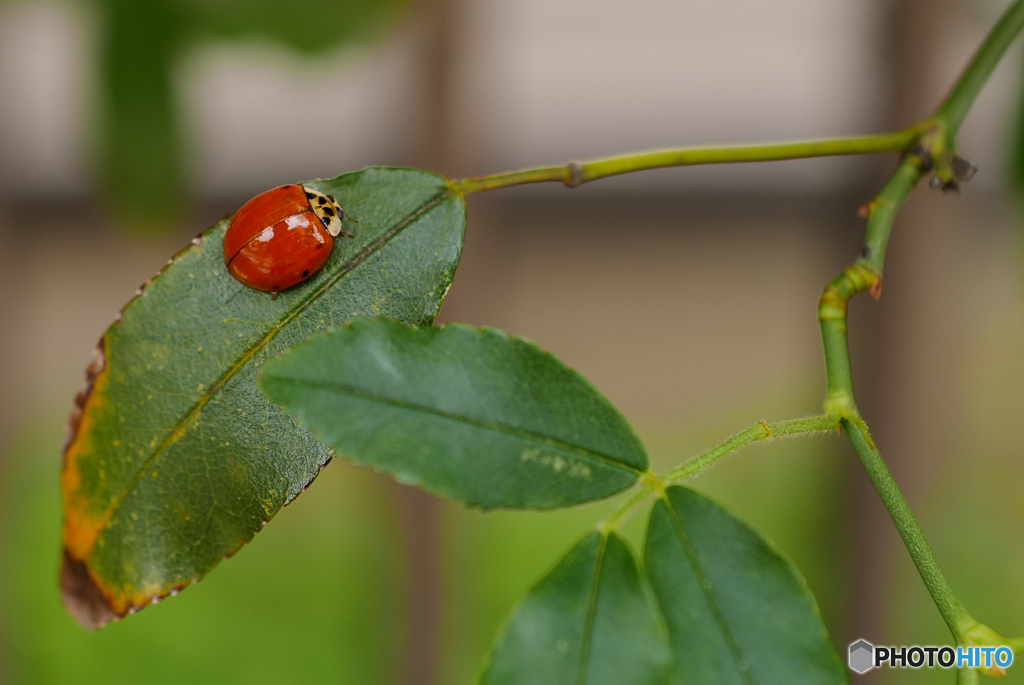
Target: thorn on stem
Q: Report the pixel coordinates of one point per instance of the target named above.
(876, 289)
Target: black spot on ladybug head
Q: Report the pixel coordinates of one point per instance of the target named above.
(329, 210)
(310, 196)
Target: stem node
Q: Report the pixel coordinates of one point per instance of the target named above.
(574, 177)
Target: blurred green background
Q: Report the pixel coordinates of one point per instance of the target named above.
(687, 296)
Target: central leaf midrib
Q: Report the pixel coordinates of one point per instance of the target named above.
(274, 330)
(708, 592)
(591, 612)
(547, 440)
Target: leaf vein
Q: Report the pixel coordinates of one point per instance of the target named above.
(249, 354)
(588, 618)
(583, 452)
(708, 591)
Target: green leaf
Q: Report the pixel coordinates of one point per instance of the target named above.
(737, 610)
(591, 621)
(472, 413)
(175, 459)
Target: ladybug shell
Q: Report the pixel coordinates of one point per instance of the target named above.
(275, 240)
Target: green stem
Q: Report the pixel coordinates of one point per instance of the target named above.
(954, 108)
(947, 121)
(953, 612)
(934, 145)
(882, 211)
(933, 141)
(646, 489)
(655, 485)
(577, 173)
(832, 316)
(864, 274)
(759, 431)
(967, 676)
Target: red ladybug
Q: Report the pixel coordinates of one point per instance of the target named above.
(282, 237)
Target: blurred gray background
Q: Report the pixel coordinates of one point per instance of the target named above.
(687, 296)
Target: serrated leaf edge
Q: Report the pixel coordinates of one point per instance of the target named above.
(81, 588)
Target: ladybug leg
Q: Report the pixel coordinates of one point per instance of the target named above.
(273, 295)
(351, 218)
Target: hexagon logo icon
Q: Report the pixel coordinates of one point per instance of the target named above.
(862, 656)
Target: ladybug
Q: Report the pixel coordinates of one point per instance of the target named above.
(282, 237)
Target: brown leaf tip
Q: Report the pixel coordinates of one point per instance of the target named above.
(82, 597)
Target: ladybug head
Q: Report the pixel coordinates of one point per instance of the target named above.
(327, 208)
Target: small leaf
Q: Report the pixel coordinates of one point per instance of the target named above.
(472, 413)
(737, 611)
(591, 621)
(174, 458)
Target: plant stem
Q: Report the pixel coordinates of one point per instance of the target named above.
(881, 211)
(646, 489)
(832, 308)
(832, 311)
(967, 676)
(953, 612)
(759, 431)
(947, 120)
(578, 173)
(655, 485)
(954, 108)
(927, 143)
(866, 274)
